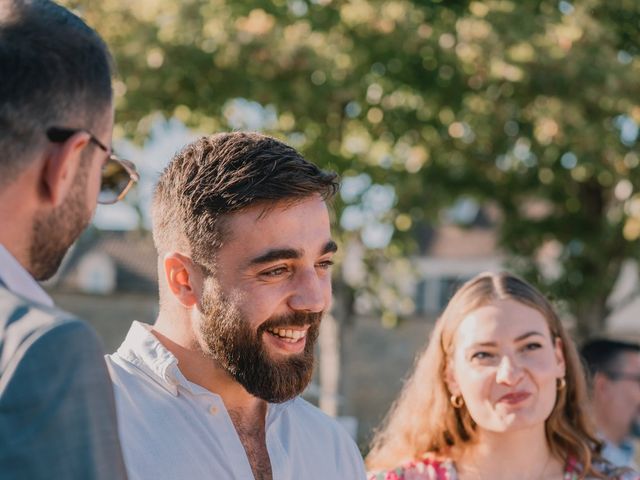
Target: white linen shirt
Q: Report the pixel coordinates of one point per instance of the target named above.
(19, 281)
(172, 429)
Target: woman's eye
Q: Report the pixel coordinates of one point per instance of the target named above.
(481, 356)
(532, 346)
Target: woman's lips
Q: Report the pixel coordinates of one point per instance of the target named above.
(514, 397)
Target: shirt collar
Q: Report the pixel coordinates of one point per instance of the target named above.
(143, 349)
(619, 453)
(19, 281)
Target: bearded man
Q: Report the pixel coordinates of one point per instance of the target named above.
(57, 411)
(242, 230)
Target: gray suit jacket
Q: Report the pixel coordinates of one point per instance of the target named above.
(57, 411)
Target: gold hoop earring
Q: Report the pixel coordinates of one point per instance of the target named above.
(562, 383)
(457, 401)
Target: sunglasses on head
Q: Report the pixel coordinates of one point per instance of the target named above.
(118, 174)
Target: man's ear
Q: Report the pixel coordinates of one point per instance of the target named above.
(599, 383)
(60, 167)
(183, 278)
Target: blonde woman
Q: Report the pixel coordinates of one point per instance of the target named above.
(498, 394)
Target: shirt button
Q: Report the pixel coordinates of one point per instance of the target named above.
(213, 409)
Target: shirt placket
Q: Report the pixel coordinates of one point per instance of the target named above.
(219, 419)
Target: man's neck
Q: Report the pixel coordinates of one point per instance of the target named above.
(17, 209)
(608, 428)
(609, 433)
(16, 242)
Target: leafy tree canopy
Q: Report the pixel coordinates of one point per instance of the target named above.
(530, 105)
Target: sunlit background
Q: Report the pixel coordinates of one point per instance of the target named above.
(470, 136)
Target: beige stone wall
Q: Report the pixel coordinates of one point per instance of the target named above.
(111, 316)
(376, 361)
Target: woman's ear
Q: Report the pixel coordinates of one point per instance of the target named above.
(450, 379)
(559, 355)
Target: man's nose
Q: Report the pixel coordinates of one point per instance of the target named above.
(509, 371)
(310, 292)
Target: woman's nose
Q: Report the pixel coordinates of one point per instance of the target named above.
(509, 371)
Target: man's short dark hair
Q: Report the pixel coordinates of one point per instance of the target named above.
(602, 355)
(54, 70)
(226, 173)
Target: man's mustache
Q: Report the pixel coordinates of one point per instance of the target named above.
(296, 319)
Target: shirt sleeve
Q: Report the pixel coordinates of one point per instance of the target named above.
(355, 463)
(57, 411)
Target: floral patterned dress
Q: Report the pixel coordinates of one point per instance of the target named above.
(429, 468)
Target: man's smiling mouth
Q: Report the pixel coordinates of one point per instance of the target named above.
(288, 334)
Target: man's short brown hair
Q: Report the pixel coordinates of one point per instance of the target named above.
(222, 174)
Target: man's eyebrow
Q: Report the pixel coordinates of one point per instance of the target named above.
(330, 247)
(288, 254)
(275, 255)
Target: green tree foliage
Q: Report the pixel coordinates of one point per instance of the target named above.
(530, 105)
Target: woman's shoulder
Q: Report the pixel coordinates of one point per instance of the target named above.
(426, 468)
(606, 469)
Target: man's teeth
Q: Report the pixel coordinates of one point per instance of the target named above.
(288, 334)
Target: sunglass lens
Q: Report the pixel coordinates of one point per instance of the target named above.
(115, 179)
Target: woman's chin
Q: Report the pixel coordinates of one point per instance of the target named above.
(512, 422)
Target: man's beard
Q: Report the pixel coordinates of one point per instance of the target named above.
(55, 232)
(229, 339)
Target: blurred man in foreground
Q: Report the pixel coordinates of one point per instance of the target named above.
(57, 416)
(614, 367)
(242, 230)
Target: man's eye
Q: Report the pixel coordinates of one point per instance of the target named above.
(327, 264)
(276, 272)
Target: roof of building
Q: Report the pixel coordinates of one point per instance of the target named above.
(132, 254)
(451, 241)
